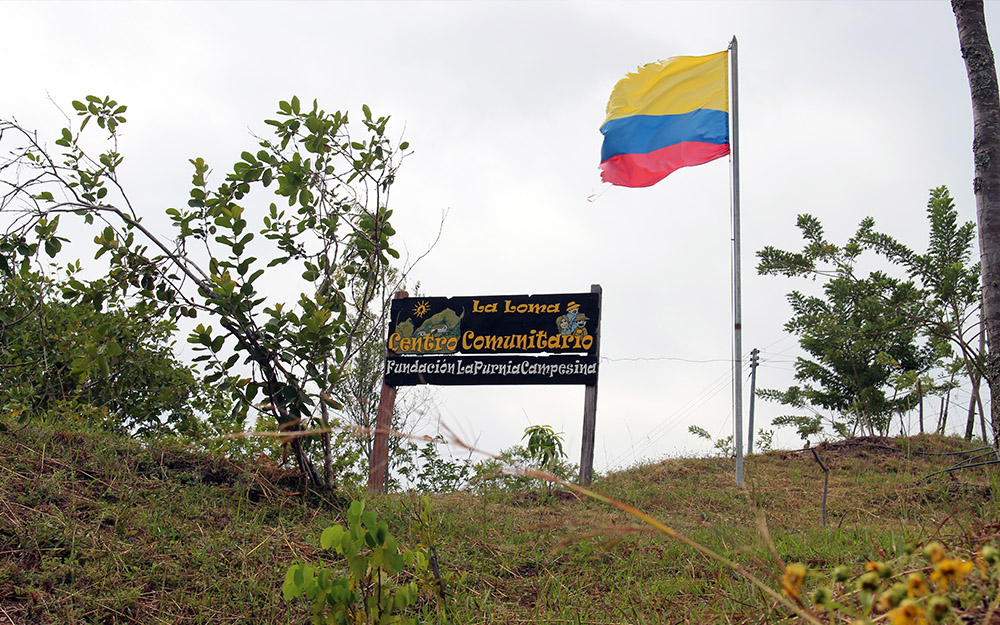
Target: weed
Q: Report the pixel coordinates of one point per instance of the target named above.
(371, 591)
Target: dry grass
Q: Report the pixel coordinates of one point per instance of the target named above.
(94, 529)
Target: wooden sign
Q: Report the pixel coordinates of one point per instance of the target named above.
(511, 339)
(506, 339)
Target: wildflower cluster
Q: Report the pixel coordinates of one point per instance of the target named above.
(922, 589)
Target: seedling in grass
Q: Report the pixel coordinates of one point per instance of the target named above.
(545, 447)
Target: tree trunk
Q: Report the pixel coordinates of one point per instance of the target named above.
(979, 386)
(978, 54)
(941, 416)
(970, 423)
(982, 417)
(974, 375)
(920, 395)
(947, 403)
(327, 446)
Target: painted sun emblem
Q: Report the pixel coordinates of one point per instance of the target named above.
(421, 309)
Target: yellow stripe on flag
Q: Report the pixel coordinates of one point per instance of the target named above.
(678, 85)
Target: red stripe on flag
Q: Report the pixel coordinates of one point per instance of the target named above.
(643, 170)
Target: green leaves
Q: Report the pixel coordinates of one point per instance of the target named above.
(66, 140)
(371, 592)
(52, 246)
(95, 352)
(299, 579)
(335, 233)
(544, 445)
(331, 537)
(869, 339)
(112, 349)
(107, 112)
(700, 432)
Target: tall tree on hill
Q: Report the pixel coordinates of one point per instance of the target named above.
(979, 64)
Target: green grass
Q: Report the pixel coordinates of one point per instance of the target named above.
(97, 529)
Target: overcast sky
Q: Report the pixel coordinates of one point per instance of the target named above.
(848, 109)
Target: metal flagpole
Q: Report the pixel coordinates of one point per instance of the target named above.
(737, 304)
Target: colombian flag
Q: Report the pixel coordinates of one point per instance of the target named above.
(667, 115)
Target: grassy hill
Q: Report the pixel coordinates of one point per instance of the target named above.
(97, 529)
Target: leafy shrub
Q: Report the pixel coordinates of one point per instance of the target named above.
(726, 448)
(428, 471)
(382, 583)
(109, 360)
(544, 445)
(502, 474)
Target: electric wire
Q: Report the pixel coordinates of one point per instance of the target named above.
(667, 425)
(768, 359)
(664, 427)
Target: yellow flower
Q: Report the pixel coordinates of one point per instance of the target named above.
(916, 585)
(908, 613)
(791, 581)
(952, 570)
(935, 552)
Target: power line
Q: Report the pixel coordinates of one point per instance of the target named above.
(659, 358)
(663, 428)
(783, 338)
(667, 424)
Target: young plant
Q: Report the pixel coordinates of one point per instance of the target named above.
(725, 447)
(428, 471)
(545, 448)
(370, 592)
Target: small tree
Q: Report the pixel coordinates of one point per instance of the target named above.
(545, 448)
(857, 334)
(359, 389)
(950, 281)
(276, 356)
(544, 445)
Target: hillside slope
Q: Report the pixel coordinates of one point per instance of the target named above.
(96, 529)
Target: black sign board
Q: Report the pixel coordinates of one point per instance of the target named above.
(507, 339)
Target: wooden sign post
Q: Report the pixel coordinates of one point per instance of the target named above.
(590, 414)
(379, 461)
(507, 339)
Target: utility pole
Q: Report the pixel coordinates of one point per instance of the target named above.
(753, 384)
(734, 143)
